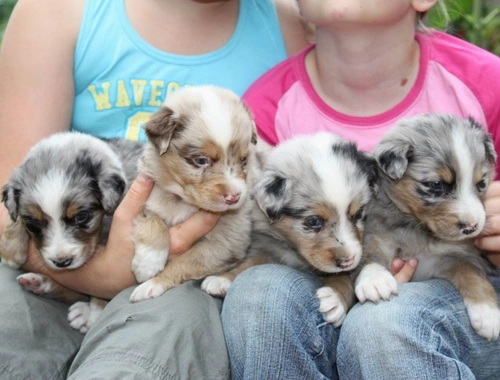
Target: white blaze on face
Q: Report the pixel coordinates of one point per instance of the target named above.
(59, 244)
(217, 117)
(470, 209)
(333, 172)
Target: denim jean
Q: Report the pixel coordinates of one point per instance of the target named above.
(274, 331)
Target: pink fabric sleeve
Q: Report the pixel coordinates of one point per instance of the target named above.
(264, 95)
(480, 71)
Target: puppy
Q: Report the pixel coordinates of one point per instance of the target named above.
(436, 169)
(200, 149)
(59, 197)
(310, 210)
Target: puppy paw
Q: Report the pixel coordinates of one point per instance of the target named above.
(82, 315)
(216, 286)
(147, 290)
(331, 306)
(485, 319)
(36, 283)
(13, 259)
(148, 262)
(375, 283)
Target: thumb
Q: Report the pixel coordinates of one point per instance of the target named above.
(133, 202)
(405, 272)
(184, 235)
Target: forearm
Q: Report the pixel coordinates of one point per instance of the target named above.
(100, 276)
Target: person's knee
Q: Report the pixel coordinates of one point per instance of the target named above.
(419, 305)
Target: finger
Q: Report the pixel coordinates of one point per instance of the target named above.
(492, 206)
(493, 189)
(133, 202)
(488, 243)
(492, 226)
(407, 272)
(494, 257)
(183, 236)
(396, 265)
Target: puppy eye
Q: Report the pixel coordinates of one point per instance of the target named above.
(481, 185)
(437, 187)
(358, 215)
(315, 222)
(82, 217)
(33, 225)
(201, 161)
(244, 161)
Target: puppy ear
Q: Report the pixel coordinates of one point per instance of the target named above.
(161, 128)
(489, 147)
(369, 167)
(392, 157)
(10, 198)
(112, 186)
(272, 193)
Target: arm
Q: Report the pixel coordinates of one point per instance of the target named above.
(293, 27)
(36, 77)
(108, 272)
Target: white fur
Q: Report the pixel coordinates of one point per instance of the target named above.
(216, 286)
(148, 261)
(217, 117)
(82, 315)
(472, 210)
(484, 319)
(374, 283)
(331, 306)
(147, 290)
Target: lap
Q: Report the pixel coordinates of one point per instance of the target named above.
(37, 341)
(177, 335)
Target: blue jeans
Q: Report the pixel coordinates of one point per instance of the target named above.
(274, 331)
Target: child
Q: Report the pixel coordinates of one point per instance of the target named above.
(103, 67)
(368, 69)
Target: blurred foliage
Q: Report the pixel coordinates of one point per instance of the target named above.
(473, 20)
(6, 7)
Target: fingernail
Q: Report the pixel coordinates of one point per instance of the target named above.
(413, 262)
(477, 243)
(144, 177)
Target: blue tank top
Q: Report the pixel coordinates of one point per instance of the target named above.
(120, 79)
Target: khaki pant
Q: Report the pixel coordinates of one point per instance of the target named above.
(176, 336)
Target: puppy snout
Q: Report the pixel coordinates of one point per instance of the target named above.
(231, 199)
(467, 228)
(63, 262)
(344, 263)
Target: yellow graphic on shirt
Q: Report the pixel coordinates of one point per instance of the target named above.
(138, 93)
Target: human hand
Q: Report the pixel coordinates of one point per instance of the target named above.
(489, 240)
(402, 270)
(109, 270)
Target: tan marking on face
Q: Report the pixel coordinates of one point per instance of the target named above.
(445, 174)
(72, 210)
(440, 218)
(35, 212)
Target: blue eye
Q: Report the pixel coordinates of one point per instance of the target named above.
(201, 161)
(481, 185)
(358, 215)
(437, 187)
(315, 222)
(82, 218)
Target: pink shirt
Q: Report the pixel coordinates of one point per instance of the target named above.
(454, 77)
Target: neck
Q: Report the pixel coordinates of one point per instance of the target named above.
(364, 72)
(193, 27)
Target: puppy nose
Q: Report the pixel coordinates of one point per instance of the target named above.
(344, 263)
(63, 263)
(467, 229)
(231, 199)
